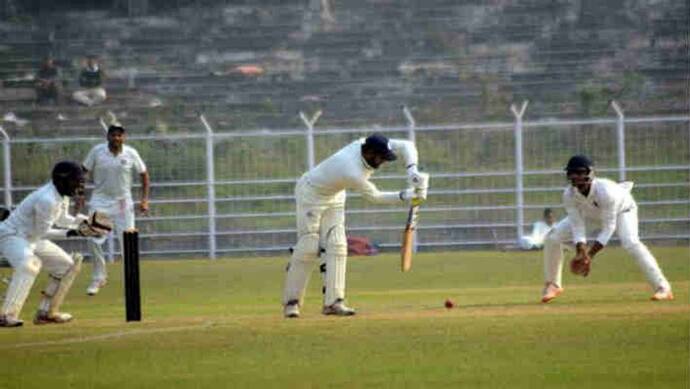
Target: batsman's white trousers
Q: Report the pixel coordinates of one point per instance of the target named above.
(627, 231)
(27, 259)
(121, 212)
(320, 232)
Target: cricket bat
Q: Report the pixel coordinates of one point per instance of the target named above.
(408, 239)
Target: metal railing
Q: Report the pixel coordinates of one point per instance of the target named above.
(210, 203)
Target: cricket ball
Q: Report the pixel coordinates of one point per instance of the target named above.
(449, 304)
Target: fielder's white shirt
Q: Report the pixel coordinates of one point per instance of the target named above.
(36, 215)
(605, 201)
(348, 170)
(112, 174)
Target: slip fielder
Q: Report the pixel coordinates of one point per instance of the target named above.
(597, 203)
(321, 194)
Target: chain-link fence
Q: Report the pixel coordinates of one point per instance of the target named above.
(218, 193)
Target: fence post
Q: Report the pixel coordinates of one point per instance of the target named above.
(210, 188)
(519, 169)
(620, 140)
(310, 135)
(411, 124)
(111, 239)
(411, 135)
(7, 171)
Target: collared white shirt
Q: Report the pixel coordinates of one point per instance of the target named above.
(36, 215)
(347, 170)
(604, 202)
(112, 174)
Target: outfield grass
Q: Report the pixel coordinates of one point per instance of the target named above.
(219, 325)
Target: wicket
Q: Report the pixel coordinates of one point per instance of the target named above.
(132, 290)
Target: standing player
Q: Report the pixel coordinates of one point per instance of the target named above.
(320, 195)
(24, 242)
(111, 166)
(604, 204)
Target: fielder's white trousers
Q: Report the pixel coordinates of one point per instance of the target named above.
(627, 231)
(121, 212)
(27, 259)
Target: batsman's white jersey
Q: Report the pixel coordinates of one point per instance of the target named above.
(347, 169)
(320, 195)
(112, 193)
(23, 241)
(609, 207)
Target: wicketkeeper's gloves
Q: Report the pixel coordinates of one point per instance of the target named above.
(96, 226)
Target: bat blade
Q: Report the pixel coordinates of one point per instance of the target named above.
(407, 244)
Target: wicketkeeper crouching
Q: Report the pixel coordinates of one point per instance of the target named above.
(24, 243)
(321, 194)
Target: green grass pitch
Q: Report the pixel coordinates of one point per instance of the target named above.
(218, 324)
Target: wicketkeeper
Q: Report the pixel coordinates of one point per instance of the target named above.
(321, 194)
(597, 203)
(111, 166)
(24, 243)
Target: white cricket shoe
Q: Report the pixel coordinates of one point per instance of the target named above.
(9, 321)
(291, 310)
(662, 294)
(43, 317)
(338, 309)
(550, 292)
(95, 286)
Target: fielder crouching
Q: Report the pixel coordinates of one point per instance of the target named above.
(593, 202)
(24, 243)
(320, 195)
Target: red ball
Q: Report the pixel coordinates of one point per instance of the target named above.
(449, 303)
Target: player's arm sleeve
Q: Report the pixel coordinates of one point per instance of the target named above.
(607, 206)
(139, 164)
(577, 223)
(66, 220)
(90, 160)
(405, 149)
(43, 221)
(372, 194)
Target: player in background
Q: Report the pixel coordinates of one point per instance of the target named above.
(24, 243)
(540, 228)
(320, 195)
(111, 166)
(598, 203)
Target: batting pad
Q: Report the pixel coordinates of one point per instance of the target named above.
(57, 288)
(336, 264)
(303, 257)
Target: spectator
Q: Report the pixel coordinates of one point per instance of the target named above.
(48, 82)
(540, 228)
(91, 82)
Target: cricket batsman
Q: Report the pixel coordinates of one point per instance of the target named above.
(24, 243)
(597, 203)
(111, 166)
(320, 195)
